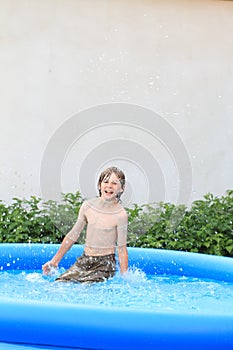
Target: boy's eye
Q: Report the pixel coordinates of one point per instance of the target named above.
(112, 182)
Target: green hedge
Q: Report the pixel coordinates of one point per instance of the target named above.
(36, 221)
(206, 227)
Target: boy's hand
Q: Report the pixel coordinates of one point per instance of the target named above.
(49, 267)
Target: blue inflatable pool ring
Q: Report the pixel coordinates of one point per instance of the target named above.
(50, 325)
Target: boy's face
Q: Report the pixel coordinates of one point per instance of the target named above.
(110, 187)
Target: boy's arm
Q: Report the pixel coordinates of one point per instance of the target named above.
(67, 243)
(123, 259)
(122, 230)
(65, 246)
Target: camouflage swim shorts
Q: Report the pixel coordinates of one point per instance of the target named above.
(89, 269)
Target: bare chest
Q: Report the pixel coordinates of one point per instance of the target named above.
(102, 220)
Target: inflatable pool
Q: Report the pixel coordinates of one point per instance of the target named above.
(30, 324)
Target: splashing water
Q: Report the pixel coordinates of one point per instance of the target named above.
(135, 290)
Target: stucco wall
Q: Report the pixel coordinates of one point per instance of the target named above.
(62, 59)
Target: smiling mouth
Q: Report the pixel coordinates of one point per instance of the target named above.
(108, 192)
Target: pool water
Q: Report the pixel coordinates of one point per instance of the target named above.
(136, 290)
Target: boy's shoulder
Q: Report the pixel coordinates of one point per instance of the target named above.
(91, 202)
(119, 208)
(121, 211)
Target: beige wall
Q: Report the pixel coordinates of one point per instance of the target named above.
(59, 58)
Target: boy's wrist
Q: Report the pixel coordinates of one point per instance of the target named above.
(54, 262)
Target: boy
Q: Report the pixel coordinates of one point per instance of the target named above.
(107, 223)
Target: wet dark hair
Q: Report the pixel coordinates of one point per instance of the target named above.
(106, 175)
